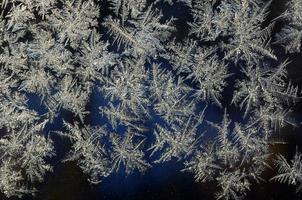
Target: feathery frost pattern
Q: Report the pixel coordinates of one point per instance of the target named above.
(156, 82)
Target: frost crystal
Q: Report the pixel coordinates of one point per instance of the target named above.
(289, 172)
(135, 83)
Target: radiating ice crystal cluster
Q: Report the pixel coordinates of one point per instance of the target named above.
(153, 85)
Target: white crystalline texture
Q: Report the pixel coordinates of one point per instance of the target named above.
(151, 84)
